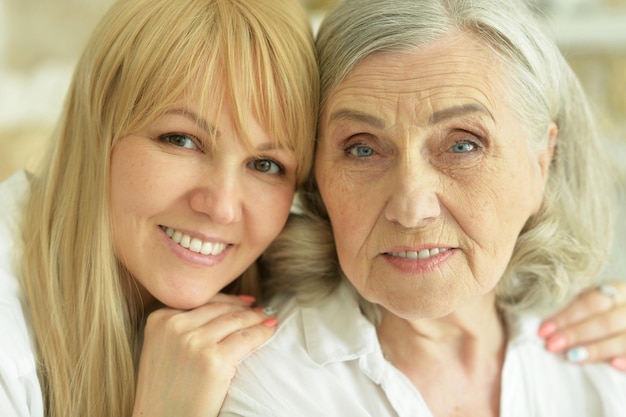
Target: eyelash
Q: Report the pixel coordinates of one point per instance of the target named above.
(254, 164)
(475, 146)
(351, 151)
(351, 148)
(166, 138)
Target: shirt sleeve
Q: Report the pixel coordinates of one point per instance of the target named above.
(20, 392)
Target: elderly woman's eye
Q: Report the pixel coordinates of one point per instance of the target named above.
(266, 166)
(360, 151)
(463, 147)
(180, 140)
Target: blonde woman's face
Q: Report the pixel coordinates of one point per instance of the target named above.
(188, 217)
(427, 175)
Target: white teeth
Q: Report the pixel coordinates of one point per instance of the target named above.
(206, 248)
(195, 244)
(177, 236)
(423, 254)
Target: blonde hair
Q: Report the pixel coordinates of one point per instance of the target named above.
(564, 247)
(142, 58)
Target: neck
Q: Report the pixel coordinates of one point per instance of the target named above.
(461, 353)
(477, 324)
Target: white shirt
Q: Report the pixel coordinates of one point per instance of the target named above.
(20, 392)
(326, 361)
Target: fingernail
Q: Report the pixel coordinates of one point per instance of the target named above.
(270, 322)
(546, 329)
(267, 310)
(556, 344)
(578, 354)
(248, 299)
(619, 363)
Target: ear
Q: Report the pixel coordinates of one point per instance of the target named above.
(546, 154)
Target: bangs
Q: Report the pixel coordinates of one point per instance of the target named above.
(256, 57)
(242, 71)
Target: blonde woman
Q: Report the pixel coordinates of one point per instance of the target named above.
(187, 128)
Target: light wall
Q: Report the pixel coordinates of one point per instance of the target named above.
(41, 39)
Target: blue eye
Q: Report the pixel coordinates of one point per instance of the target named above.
(463, 147)
(266, 166)
(176, 139)
(360, 151)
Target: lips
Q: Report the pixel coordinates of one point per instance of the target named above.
(194, 244)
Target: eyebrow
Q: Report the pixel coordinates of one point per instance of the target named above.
(208, 127)
(347, 114)
(436, 117)
(196, 119)
(458, 111)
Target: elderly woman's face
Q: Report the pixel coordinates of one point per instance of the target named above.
(427, 175)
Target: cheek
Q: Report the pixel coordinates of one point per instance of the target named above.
(353, 211)
(130, 188)
(498, 204)
(268, 210)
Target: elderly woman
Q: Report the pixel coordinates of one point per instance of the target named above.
(459, 170)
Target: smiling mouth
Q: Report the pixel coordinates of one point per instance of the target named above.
(422, 254)
(194, 244)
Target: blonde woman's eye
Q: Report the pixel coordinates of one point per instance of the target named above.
(266, 166)
(180, 140)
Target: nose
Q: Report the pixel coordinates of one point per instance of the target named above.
(414, 200)
(219, 197)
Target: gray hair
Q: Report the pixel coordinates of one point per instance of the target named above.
(563, 248)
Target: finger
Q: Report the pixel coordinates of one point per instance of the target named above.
(177, 322)
(594, 329)
(241, 343)
(236, 299)
(589, 303)
(603, 350)
(619, 363)
(223, 326)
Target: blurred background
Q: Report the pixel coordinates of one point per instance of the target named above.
(40, 41)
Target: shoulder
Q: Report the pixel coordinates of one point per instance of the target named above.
(20, 393)
(13, 195)
(549, 380)
(13, 191)
(316, 346)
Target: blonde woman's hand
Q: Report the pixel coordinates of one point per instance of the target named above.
(592, 328)
(189, 357)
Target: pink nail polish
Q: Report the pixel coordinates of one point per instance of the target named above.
(248, 299)
(547, 329)
(556, 344)
(270, 322)
(619, 363)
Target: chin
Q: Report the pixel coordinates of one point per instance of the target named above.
(184, 303)
(416, 308)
